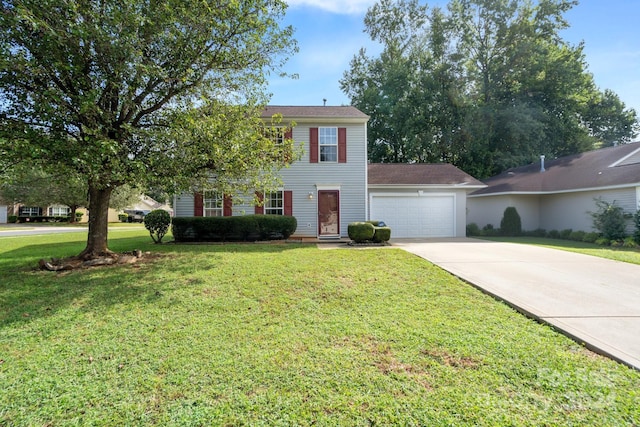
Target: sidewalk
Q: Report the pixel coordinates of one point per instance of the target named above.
(593, 300)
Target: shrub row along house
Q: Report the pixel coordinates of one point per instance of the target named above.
(333, 185)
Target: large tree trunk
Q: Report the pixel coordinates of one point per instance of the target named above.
(98, 223)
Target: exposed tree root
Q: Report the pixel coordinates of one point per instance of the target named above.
(84, 261)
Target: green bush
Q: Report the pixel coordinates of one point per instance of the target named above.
(577, 236)
(233, 228)
(157, 222)
(602, 241)
(473, 229)
(361, 232)
(553, 234)
(566, 233)
(382, 234)
(123, 217)
(609, 220)
(636, 222)
(538, 232)
(511, 225)
(590, 237)
(12, 219)
(489, 231)
(629, 242)
(79, 216)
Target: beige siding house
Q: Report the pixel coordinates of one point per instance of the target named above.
(559, 194)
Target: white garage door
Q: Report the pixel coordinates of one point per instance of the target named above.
(413, 216)
(3, 214)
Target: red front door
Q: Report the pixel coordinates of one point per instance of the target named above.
(328, 213)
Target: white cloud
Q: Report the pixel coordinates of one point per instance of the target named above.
(346, 7)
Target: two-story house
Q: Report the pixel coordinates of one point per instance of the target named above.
(325, 190)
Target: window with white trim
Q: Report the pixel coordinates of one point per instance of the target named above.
(328, 144)
(29, 211)
(59, 210)
(274, 203)
(213, 203)
(275, 134)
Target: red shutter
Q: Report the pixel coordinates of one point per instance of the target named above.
(227, 204)
(288, 203)
(259, 209)
(288, 135)
(313, 145)
(198, 209)
(342, 145)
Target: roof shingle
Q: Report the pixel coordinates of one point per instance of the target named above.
(419, 174)
(607, 167)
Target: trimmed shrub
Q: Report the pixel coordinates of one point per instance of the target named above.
(473, 229)
(602, 241)
(629, 242)
(79, 216)
(590, 237)
(381, 234)
(12, 219)
(157, 222)
(566, 233)
(361, 232)
(577, 236)
(489, 231)
(233, 228)
(636, 222)
(123, 217)
(538, 232)
(553, 234)
(511, 225)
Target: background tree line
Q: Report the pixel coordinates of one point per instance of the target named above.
(484, 85)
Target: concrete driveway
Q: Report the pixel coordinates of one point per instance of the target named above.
(593, 300)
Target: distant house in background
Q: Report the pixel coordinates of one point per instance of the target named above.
(560, 193)
(420, 200)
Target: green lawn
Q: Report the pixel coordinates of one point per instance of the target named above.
(616, 253)
(282, 334)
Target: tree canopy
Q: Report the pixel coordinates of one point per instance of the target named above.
(485, 85)
(164, 93)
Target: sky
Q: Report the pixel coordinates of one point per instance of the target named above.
(330, 33)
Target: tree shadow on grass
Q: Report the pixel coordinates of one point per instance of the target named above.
(27, 294)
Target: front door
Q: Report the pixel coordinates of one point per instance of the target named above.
(329, 212)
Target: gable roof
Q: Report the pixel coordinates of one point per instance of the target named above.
(609, 167)
(321, 113)
(419, 174)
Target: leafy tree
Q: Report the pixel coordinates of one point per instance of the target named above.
(486, 85)
(163, 93)
(35, 187)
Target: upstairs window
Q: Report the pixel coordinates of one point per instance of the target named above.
(328, 144)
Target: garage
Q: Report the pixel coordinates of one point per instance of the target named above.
(416, 215)
(3, 214)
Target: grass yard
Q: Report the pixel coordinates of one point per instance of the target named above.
(630, 255)
(282, 334)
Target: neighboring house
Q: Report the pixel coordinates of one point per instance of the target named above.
(420, 200)
(325, 190)
(560, 194)
(148, 204)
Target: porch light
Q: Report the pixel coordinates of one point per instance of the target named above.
(310, 195)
